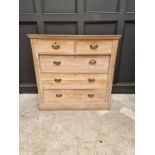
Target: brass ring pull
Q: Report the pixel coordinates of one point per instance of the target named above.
(58, 95)
(55, 46)
(90, 95)
(93, 46)
(91, 80)
(92, 62)
(57, 80)
(57, 63)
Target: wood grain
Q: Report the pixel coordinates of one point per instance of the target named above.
(37, 70)
(74, 81)
(84, 47)
(111, 70)
(74, 64)
(74, 37)
(72, 97)
(46, 45)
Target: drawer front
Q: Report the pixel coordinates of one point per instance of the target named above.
(74, 81)
(74, 97)
(55, 46)
(74, 64)
(94, 47)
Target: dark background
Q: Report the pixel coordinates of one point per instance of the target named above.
(79, 17)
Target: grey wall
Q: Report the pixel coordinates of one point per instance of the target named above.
(79, 17)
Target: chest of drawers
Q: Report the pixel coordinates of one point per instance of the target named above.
(74, 71)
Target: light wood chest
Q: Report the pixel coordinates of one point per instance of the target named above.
(74, 71)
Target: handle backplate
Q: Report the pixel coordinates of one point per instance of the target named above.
(55, 46)
(57, 63)
(57, 80)
(91, 95)
(58, 95)
(91, 80)
(93, 46)
(92, 62)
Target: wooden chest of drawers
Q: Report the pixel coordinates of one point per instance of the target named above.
(74, 71)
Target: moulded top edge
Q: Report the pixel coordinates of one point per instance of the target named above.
(48, 36)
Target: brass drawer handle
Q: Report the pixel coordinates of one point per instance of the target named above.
(93, 46)
(91, 80)
(92, 62)
(57, 63)
(55, 46)
(58, 95)
(90, 95)
(57, 80)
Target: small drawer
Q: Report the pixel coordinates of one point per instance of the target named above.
(55, 46)
(77, 98)
(74, 64)
(74, 81)
(94, 47)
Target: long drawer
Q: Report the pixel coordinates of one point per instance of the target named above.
(74, 64)
(74, 97)
(74, 81)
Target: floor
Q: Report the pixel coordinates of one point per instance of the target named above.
(98, 132)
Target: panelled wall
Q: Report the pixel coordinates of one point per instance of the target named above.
(79, 17)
